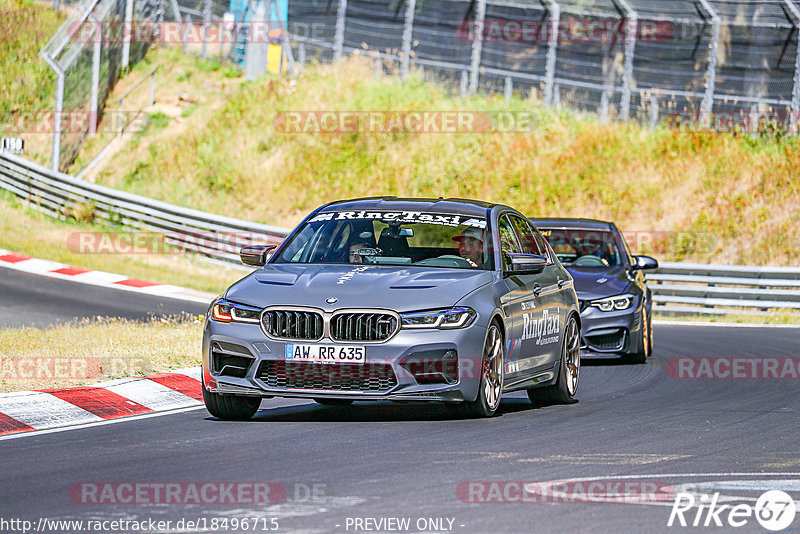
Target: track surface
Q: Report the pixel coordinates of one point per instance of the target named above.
(34, 300)
(390, 460)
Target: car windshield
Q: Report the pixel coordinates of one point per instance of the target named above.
(391, 238)
(584, 248)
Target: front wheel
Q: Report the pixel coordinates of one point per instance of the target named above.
(491, 380)
(645, 340)
(563, 391)
(230, 407)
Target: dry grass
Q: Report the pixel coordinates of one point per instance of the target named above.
(92, 350)
(27, 232)
(711, 197)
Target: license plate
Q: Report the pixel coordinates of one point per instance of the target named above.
(299, 352)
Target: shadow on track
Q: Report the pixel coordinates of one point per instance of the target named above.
(379, 411)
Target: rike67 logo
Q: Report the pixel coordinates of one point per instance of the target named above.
(774, 510)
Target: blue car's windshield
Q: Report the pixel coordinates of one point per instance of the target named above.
(584, 248)
(392, 238)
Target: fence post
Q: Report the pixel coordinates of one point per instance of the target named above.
(653, 112)
(796, 87)
(206, 23)
(126, 36)
(711, 72)
(477, 45)
(631, 27)
(408, 30)
(552, 50)
(59, 106)
(338, 39)
(93, 105)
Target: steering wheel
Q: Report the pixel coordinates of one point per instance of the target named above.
(589, 261)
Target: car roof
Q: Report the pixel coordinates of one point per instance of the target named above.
(473, 208)
(566, 222)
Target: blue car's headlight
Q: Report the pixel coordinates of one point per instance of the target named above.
(443, 318)
(615, 303)
(225, 311)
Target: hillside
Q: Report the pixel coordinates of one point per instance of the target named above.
(697, 196)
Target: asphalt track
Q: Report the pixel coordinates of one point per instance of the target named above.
(738, 437)
(35, 300)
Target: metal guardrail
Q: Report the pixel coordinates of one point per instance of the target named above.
(696, 289)
(678, 288)
(59, 195)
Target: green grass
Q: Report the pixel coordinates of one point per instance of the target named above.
(27, 83)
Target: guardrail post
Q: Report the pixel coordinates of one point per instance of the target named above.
(631, 28)
(206, 23)
(604, 106)
(464, 88)
(338, 38)
(477, 45)
(93, 105)
(408, 30)
(126, 35)
(711, 71)
(796, 87)
(153, 88)
(552, 51)
(301, 53)
(508, 88)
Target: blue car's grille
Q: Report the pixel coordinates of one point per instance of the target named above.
(375, 377)
(363, 326)
(292, 324)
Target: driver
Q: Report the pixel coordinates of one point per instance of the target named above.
(470, 246)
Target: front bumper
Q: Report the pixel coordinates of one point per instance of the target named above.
(251, 357)
(615, 332)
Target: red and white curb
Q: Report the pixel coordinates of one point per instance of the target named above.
(27, 411)
(19, 262)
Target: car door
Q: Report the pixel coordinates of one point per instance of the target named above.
(543, 320)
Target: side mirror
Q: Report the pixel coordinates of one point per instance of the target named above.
(526, 264)
(255, 255)
(644, 262)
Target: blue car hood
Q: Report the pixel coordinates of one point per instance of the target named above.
(594, 283)
(380, 286)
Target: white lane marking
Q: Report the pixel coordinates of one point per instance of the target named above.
(661, 322)
(98, 423)
(152, 395)
(37, 266)
(42, 410)
(98, 277)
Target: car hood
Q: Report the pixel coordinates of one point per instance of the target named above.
(594, 283)
(356, 286)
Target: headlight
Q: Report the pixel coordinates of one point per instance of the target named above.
(444, 318)
(616, 303)
(225, 312)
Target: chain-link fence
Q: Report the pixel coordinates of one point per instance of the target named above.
(734, 62)
(88, 54)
